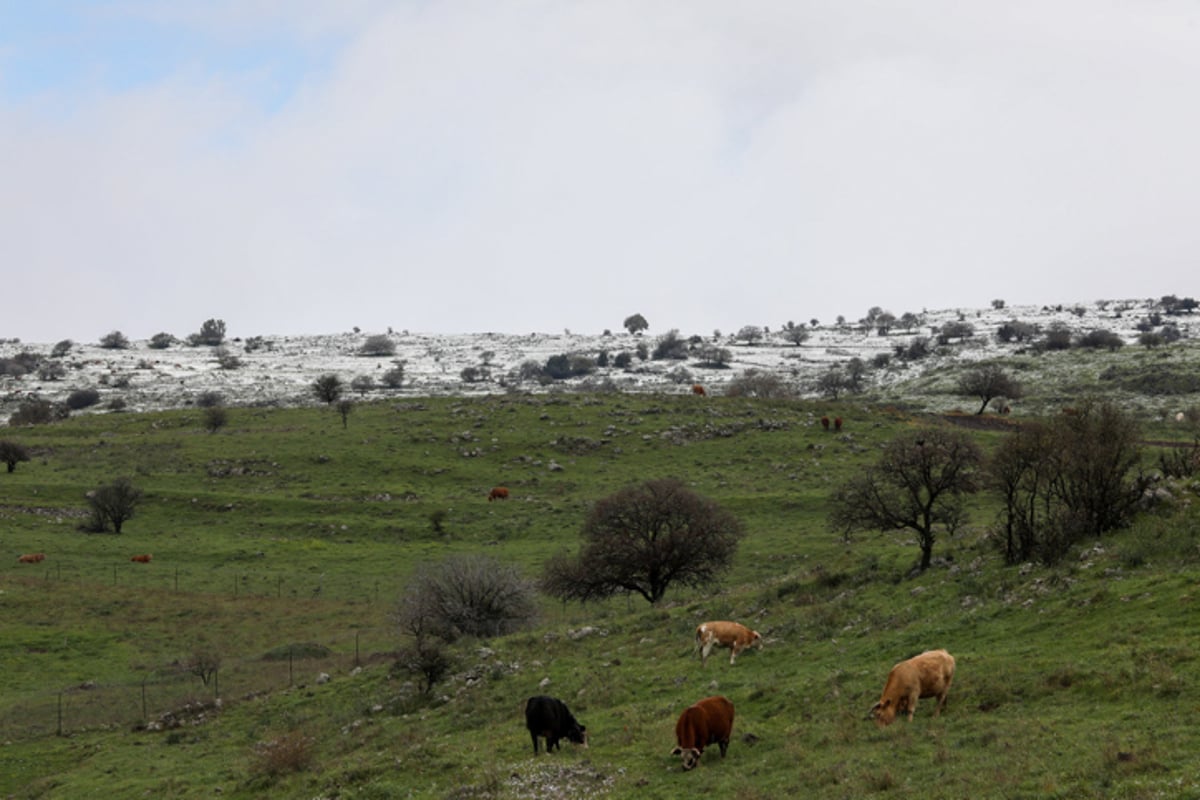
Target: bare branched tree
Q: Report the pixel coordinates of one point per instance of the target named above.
(644, 539)
(113, 504)
(917, 485)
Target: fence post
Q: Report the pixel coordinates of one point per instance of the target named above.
(145, 716)
(59, 732)
(291, 678)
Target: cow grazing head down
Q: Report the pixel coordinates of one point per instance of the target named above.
(926, 675)
(734, 635)
(698, 390)
(31, 558)
(144, 558)
(498, 493)
(709, 721)
(549, 717)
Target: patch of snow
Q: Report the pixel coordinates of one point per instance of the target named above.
(282, 369)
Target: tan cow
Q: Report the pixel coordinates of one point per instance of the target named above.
(708, 721)
(31, 558)
(926, 675)
(734, 635)
(144, 558)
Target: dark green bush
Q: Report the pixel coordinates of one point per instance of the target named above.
(82, 398)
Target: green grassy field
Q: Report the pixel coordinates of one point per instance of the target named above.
(282, 542)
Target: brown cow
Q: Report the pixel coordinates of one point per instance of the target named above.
(837, 423)
(144, 558)
(734, 635)
(31, 558)
(825, 423)
(926, 675)
(698, 390)
(499, 493)
(709, 721)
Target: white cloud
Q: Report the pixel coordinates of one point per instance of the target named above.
(539, 165)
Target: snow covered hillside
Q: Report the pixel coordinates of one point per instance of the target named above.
(280, 370)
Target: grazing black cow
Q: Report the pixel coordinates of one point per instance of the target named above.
(550, 717)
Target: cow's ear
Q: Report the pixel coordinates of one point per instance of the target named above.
(676, 751)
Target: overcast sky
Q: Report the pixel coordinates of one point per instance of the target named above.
(308, 166)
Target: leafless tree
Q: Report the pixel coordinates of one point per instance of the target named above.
(469, 595)
(917, 485)
(113, 504)
(644, 539)
(1068, 479)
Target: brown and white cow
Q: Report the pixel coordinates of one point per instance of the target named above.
(926, 675)
(709, 721)
(734, 635)
(698, 390)
(31, 558)
(144, 558)
(498, 493)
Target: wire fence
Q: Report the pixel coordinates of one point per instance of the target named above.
(176, 697)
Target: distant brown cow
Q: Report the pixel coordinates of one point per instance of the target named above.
(734, 635)
(926, 675)
(825, 423)
(698, 390)
(144, 558)
(31, 558)
(499, 493)
(837, 423)
(709, 721)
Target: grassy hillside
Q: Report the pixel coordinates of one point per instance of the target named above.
(282, 541)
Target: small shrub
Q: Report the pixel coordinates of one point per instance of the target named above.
(226, 358)
(670, 345)
(362, 384)
(215, 418)
(378, 345)
(82, 398)
(711, 355)
(52, 371)
(210, 399)
(428, 660)
(394, 377)
(62, 348)
(114, 340)
(469, 595)
(327, 388)
(161, 341)
(1100, 338)
(761, 384)
(37, 412)
(212, 333)
(291, 752)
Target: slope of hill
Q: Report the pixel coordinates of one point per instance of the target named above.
(280, 370)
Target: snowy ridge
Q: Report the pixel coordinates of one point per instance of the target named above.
(282, 370)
